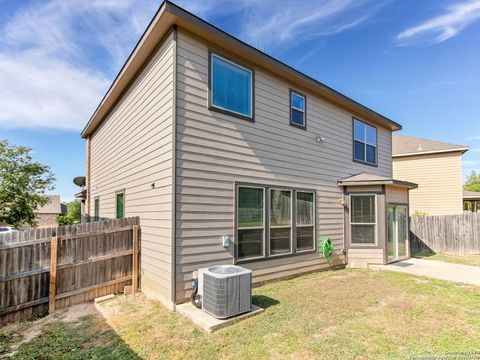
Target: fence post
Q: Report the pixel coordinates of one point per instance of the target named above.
(53, 274)
(135, 260)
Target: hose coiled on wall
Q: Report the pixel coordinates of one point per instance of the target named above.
(326, 248)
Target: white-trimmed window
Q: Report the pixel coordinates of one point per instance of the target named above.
(305, 225)
(297, 109)
(364, 142)
(231, 87)
(274, 221)
(363, 219)
(280, 222)
(251, 222)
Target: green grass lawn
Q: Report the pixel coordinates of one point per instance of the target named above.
(345, 314)
(473, 260)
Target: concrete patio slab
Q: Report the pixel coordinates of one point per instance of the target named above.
(210, 323)
(435, 269)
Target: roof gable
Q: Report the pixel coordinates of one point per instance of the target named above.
(170, 15)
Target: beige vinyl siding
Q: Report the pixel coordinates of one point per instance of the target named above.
(439, 179)
(215, 150)
(396, 195)
(365, 189)
(361, 258)
(132, 150)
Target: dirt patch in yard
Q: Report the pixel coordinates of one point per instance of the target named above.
(25, 332)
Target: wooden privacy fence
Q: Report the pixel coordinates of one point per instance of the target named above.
(446, 233)
(46, 269)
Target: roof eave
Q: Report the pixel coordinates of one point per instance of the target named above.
(170, 14)
(471, 197)
(462, 150)
(391, 182)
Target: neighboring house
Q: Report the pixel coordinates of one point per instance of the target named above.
(437, 169)
(230, 156)
(47, 215)
(471, 200)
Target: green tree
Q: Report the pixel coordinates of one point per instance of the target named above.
(73, 214)
(65, 219)
(23, 183)
(473, 181)
(74, 210)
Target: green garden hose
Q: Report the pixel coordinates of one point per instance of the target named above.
(326, 248)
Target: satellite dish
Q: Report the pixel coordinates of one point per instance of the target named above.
(79, 181)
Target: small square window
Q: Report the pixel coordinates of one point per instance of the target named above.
(297, 110)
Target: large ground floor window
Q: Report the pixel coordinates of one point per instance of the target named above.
(274, 221)
(363, 219)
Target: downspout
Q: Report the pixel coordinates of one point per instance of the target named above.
(345, 252)
(174, 170)
(88, 181)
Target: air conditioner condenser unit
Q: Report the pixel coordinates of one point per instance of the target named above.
(225, 290)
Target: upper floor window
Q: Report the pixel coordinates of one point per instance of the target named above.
(364, 142)
(297, 110)
(231, 87)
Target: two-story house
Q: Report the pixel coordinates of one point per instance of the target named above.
(230, 156)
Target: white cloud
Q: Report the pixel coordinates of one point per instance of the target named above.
(57, 59)
(44, 92)
(275, 23)
(456, 18)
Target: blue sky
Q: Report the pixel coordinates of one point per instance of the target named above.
(416, 62)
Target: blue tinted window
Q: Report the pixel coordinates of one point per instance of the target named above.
(297, 109)
(359, 151)
(297, 117)
(371, 155)
(359, 130)
(298, 101)
(371, 135)
(231, 86)
(365, 142)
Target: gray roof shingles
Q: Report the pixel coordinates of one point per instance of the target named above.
(402, 144)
